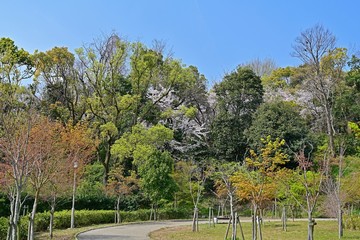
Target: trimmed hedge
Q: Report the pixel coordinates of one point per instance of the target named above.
(88, 217)
(352, 222)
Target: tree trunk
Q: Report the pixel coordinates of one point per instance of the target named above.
(72, 220)
(283, 218)
(232, 216)
(195, 216)
(311, 225)
(241, 230)
(106, 163)
(118, 217)
(227, 229)
(330, 130)
(254, 223)
(15, 215)
(151, 211)
(155, 212)
(52, 211)
(275, 208)
(340, 222)
(259, 225)
(32, 217)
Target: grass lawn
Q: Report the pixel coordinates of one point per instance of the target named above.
(324, 230)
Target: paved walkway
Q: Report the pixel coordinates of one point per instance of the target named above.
(138, 231)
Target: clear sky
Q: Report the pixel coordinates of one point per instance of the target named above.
(215, 36)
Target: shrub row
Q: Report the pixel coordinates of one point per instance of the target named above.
(352, 222)
(86, 218)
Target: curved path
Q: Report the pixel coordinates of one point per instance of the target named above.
(136, 231)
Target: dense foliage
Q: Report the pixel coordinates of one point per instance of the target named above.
(120, 125)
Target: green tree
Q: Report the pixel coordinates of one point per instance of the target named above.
(279, 119)
(144, 150)
(238, 96)
(109, 102)
(62, 91)
(156, 178)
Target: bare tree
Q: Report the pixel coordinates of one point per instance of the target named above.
(261, 67)
(313, 44)
(311, 47)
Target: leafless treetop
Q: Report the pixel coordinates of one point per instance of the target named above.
(312, 44)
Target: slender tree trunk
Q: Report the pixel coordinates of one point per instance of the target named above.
(32, 217)
(194, 220)
(197, 220)
(311, 225)
(52, 211)
(275, 208)
(259, 225)
(284, 219)
(151, 211)
(72, 220)
(254, 223)
(232, 215)
(155, 212)
(10, 228)
(330, 129)
(340, 222)
(195, 215)
(340, 219)
(15, 215)
(227, 229)
(118, 217)
(241, 229)
(106, 162)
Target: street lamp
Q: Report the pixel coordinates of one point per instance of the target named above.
(73, 197)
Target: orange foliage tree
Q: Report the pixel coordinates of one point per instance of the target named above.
(255, 183)
(46, 158)
(79, 146)
(119, 185)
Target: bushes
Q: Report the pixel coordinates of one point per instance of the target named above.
(86, 218)
(133, 216)
(3, 227)
(352, 222)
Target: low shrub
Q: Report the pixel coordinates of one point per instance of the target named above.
(4, 223)
(352, 222)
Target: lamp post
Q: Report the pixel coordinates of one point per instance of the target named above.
(73, 197)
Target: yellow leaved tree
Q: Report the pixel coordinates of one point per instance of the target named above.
(255, 182)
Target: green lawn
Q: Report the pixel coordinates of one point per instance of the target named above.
(324, 230)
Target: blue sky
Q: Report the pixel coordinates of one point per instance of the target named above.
(215, 36)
